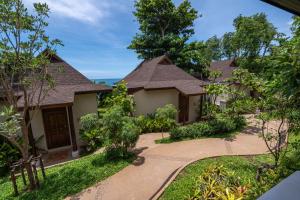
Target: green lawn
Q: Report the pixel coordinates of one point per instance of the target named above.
(244, 167)
(68, 179)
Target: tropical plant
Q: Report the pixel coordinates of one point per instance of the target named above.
(91, 131)
(8, 155)
(164, 119)
(118, 123)
(120, 97)
(121, 131)
(217, 182)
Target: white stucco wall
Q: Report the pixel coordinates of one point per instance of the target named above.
(194, 107)
(38, 131)
(83, 104)
(147, 101)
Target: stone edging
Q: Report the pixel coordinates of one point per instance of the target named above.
(173, 176)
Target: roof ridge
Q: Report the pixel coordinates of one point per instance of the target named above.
(160, 59)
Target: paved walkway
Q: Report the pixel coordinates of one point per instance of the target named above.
(157, 163)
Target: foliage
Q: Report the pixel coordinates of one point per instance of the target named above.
(213, 46)
(118, 124)
(220, 125)
(74, 176)
(89, 122)
(243, 167)
(283, 65)
(91, 131)
(268, 179)
(165, 30)
(120, 97)
(195, 59)
(164, 119)
(24, 56)
(8, 154)
(167, 112)
(217, 182)
(121, 131)
(215, 90)
(250, 42)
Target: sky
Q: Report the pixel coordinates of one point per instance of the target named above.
(96, 33)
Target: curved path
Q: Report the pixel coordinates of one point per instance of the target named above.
(157, 163)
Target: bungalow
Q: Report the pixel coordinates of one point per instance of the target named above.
(55, 125)
(226, 67)
(157, 82)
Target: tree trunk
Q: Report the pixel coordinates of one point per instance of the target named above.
(26, 156)
(30, 175)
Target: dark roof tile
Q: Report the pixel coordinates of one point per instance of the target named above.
(160, 73)
(224, 66)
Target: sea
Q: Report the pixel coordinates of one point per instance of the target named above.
(108, 81)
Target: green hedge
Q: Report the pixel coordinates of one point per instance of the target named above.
(164, 119)
(221, 124)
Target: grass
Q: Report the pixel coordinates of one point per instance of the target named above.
(244, 167)
(68, 179)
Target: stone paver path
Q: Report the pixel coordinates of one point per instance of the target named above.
(157, 163)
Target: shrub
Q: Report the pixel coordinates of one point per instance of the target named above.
(218, 183)
(221, 124)
(8, 155)
(164, 119)
(268, 179)
(167, 112)
(121, 131)
(91, 131)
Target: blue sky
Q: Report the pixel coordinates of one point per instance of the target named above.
(96, 33)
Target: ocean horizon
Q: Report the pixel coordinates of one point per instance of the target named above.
(107, 81)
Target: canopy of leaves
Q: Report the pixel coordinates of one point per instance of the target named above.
(165, 29)
(253, 39)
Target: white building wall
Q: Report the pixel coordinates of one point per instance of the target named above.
(147, 101)
(194, 107)
(83, 104)
(37, 126)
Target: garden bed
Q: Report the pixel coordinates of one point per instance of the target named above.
(244, 169)
(68, 179)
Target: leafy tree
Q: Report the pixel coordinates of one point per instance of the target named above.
(227, 46)
(120, 97)
(23, 70)
(283, 65)
(195, 59)
(254, 35)
(214, 89)
(165, 30)
(252, 40)
(213, 46)
(118, 124)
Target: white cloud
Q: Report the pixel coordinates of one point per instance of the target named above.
(88, 11)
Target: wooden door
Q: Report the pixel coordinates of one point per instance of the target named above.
(183, 108)
(56, 127)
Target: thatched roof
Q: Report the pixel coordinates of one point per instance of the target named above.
(68, 82)
(161, 73)
(226, 67)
